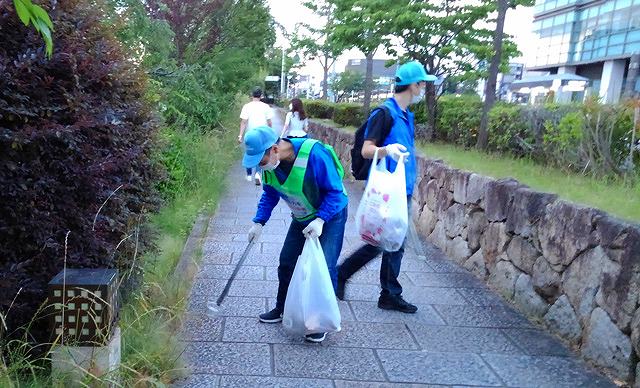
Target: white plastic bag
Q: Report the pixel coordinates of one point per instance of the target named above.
(311, 306)
(381, 219)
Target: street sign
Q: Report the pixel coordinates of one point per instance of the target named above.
(272, 78)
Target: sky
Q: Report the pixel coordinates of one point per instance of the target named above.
(518, 23)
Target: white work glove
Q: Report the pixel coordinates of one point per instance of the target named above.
(314, 229)
(396, 151)
(255, 232)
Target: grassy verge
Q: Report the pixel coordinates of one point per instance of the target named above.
(615, 196)
(151, 317)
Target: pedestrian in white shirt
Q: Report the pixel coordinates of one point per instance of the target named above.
(296, 123)
(254, 114)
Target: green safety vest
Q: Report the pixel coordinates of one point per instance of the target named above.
(292, 188)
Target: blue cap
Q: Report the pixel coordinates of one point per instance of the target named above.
(256, 142)
(412, 72)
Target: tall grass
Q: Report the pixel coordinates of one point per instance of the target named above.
(616, 196)
(152, 315)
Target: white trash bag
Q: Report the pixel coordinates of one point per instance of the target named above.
(381, 219)
(311, 306)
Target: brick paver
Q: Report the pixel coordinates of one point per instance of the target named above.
(462, 335)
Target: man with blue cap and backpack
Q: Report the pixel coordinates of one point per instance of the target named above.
(390, 131)
(307, 175)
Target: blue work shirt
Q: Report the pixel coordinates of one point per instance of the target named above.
(322, 186)
(402, 132)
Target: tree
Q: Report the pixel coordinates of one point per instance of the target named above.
(445, 36)
(494, 68)
(318, 42)
(353, 28)
(345, 83)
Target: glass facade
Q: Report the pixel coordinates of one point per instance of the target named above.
(578, 31)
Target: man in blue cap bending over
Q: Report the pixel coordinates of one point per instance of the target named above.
(393, 138)
(307, 175)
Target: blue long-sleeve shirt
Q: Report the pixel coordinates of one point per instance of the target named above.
(322, 186)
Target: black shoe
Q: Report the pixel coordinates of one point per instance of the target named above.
(273, 316)
(340, 289)
(317, 337)
(395, 302)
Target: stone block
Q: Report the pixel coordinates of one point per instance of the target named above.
(584, 276)
(271, 382)
(436, 368)
(635, 334)
(476, 225)
(438, 237)
(527, 209)
(476, 265)
(536, 342)
(96, 360)
(431, 194)
(462, 339)
(607, 346)
(498, 199)
(619, 293)
(522, 254)
(527, 299)
(444, 200)
(444, 280)
(544, 371)
(504, 278)
(229, 358)
(493, 242)
(369, 312)
(546, 281)
(454, 220)
(326, 362)
(426, 221)
(476, 189)
(498, 316)
(563, 321)
(458, 250)
(565, 231)
(372, 335)
(481, 297)
(460, 182)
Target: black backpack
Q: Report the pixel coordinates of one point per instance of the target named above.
(360, 166)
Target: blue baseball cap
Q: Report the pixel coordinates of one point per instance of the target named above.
(256, 142)
(412, 72)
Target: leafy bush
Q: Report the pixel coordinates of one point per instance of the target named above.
(319, 109)
(348, 114)
(507, 132)
(76, 135)
(458, 119)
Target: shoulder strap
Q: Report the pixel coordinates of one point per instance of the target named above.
(303, 153)
(388, 120)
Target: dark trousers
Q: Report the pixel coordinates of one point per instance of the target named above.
(389, 268)
(330, 240)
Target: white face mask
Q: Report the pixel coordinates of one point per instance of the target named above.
(419, 97)
(271, 166)
(290, 107)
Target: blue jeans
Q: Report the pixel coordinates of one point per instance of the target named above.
(389, 268)
(330, 240)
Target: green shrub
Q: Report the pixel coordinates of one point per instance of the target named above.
(348, 114)
(507, 132)
(458, 119)
(319, 109)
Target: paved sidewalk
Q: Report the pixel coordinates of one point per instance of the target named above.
(462, 335)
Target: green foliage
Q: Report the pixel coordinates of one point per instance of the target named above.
(348, 114)
(507, 131)
(458, 119)
(30, 13)
(346, 82)
(319, 109)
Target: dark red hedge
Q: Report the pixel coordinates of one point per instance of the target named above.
(72, 129)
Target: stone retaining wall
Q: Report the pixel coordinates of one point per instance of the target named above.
(573, 268)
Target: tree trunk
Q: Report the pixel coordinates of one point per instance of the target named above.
(325, 78)
(368, 85)
(430, 103)
(494, 67)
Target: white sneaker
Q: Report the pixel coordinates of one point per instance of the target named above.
(258, 179)
(249, 178)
